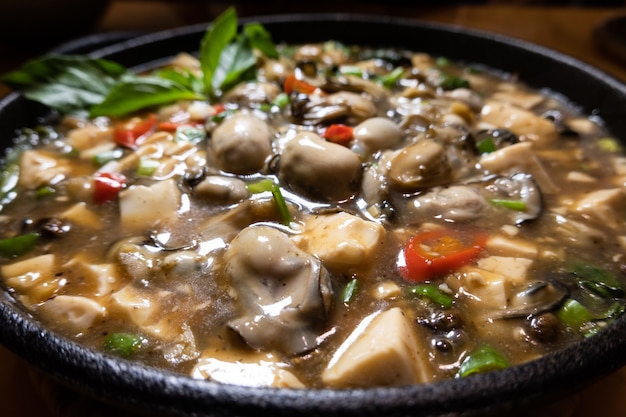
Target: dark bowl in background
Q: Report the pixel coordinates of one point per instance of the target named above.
(152, 392)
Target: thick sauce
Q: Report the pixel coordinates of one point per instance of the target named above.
(352, 217)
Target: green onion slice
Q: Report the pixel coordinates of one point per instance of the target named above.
(18, 245)
(122, 344)
(484, 358)
(517, 205)
(350, 290)
(433, 293)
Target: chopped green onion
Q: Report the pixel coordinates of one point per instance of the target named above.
(122, 344)
(281, 205)
(452, 82)
(279, 199)
(147, 167)
(486, 145)
(189, 134)
(281, 101)
(351, 70)
(443, 62)
(350, 290)
(517, 205)
(609, 144)
(15, 246)
(392, 78)
(433, 293)
(260, 186)
(107, 156)
(574, 314)
(45, 191)
(484, 358)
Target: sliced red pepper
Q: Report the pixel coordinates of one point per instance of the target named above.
(131, 134)
(218, 108)
(293, 84)
(107, 186)
(339, 134)
(435, 253)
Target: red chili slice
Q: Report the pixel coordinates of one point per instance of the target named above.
(435, 253)
(130, 135)
(292, 84)
(107, 186)
(338, 133)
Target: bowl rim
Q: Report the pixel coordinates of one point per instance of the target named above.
(140, 387)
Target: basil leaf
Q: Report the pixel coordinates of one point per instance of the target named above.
(137, 92)
(598, 280)
(235, 60)
(215, 40)
(183, 77)
(260, 39)
(69, 84)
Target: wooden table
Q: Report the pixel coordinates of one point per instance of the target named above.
(566, 29)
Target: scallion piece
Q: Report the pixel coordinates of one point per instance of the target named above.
(351, 70)
(443, 62)
(147, 167)
(452, 82)
(18, 245)
(107, 156)
(486, 145)
(281, 101)
(350, 290)
(122, 344)
(281, 205)
(609, 145)
(484, 358)
(433, 293)
(45, 191)
(517, 205)
(574, 314)
(260, 186)
(392, 78)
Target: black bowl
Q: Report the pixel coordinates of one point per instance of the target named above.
(154, 392)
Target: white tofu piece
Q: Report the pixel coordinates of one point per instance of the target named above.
(519, 158)
(38, 169)
(511, 247)
(382, 351)
(524, 123)
(245, 369)
(139, 308)
(484, 288)
(514, 268)
(75, 312)
(342, 241)
(602, 205)
(104, 278)
(144, 207)
(34, 278)
(80, 214)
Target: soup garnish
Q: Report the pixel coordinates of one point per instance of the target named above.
(315, 215)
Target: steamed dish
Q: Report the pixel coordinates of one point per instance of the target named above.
(342, 216)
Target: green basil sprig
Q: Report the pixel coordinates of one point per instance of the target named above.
(77, 84)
